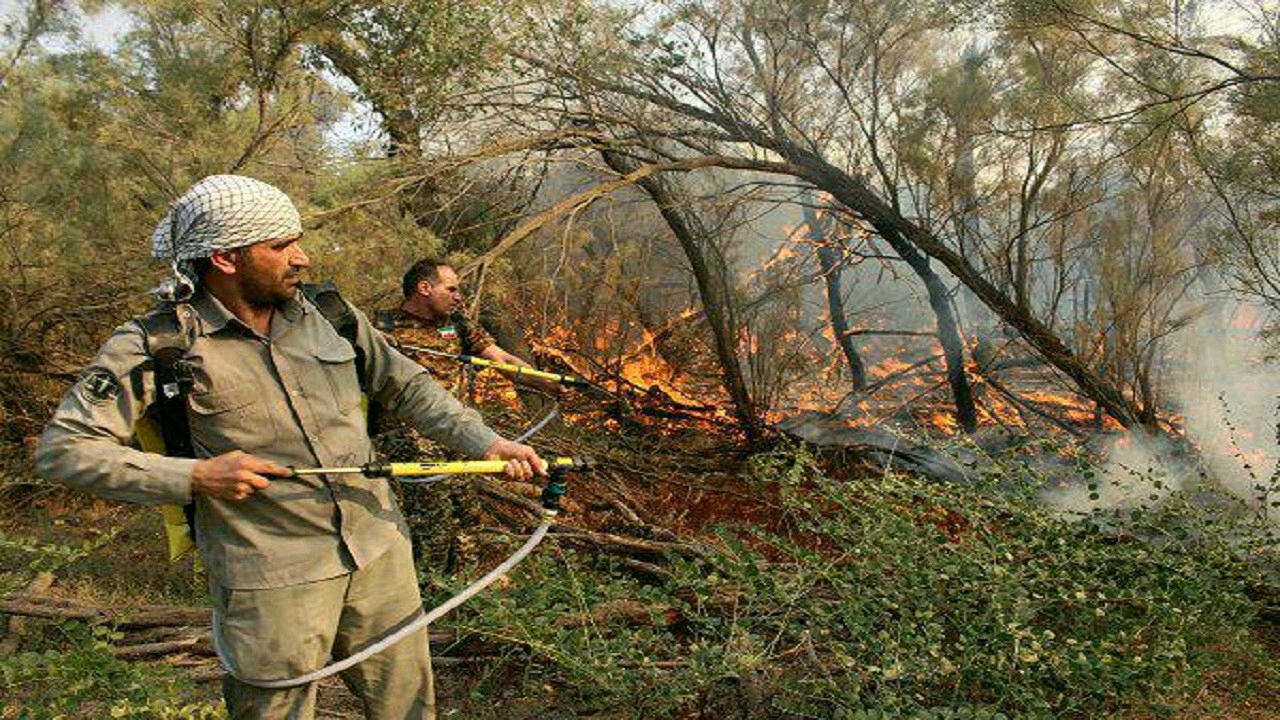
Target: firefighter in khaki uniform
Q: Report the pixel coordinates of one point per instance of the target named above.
(428, 320)
(301, 569)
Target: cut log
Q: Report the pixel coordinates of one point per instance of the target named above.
(28, 608)
(60, 608)
(13, 628)
(153, 650)
(183, 620)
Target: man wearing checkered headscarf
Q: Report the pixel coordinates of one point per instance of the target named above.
(221, 212)
(300, 569)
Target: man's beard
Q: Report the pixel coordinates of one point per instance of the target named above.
(262, 294)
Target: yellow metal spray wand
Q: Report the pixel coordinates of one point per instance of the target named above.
(517, 370)
(504, 367)
(413, 469)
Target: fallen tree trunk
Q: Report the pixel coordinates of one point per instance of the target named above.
(123, 619)
(877, 446)
(191, 645)
(626, 546)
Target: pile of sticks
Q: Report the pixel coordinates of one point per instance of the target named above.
(175, 634)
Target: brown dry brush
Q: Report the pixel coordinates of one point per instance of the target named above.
(50, 331)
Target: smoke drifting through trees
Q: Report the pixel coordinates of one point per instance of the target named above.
(1014, 182)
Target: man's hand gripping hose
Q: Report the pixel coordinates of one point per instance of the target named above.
(557, 477)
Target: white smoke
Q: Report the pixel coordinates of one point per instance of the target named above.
(1140, 470)
(1229, 395)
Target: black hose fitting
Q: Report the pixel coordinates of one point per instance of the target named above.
(558, 481)
(556, 486)
(375, 469)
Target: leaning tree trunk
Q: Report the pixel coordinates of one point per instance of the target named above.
(709, 273)
(830, 266)
(854, 194)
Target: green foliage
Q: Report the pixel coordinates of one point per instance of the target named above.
(887, 598)
(38, 556)
(405, 58)
(85, 681)
(595, 661)
(49, 557)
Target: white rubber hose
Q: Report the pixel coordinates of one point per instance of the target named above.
(404, 632)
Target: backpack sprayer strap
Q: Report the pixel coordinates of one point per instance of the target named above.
(168, 333)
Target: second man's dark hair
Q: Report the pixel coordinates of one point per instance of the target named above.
(427, 268)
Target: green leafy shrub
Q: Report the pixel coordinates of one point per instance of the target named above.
(886, 597)
(83, 680)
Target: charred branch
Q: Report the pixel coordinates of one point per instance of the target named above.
(878, 447)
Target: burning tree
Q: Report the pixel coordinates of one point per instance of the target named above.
(966, 156)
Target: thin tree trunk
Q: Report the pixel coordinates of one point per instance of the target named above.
(829, 261)
(712, 289)
(829, 266)
(948, 330)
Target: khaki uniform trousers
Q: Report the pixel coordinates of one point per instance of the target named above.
(285, 632)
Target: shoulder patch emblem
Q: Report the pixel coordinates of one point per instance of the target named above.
(448, 332)
(99, 386)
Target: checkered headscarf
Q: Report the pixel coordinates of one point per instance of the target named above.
(221, 212)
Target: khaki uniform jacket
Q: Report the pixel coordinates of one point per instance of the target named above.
(292, 397)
